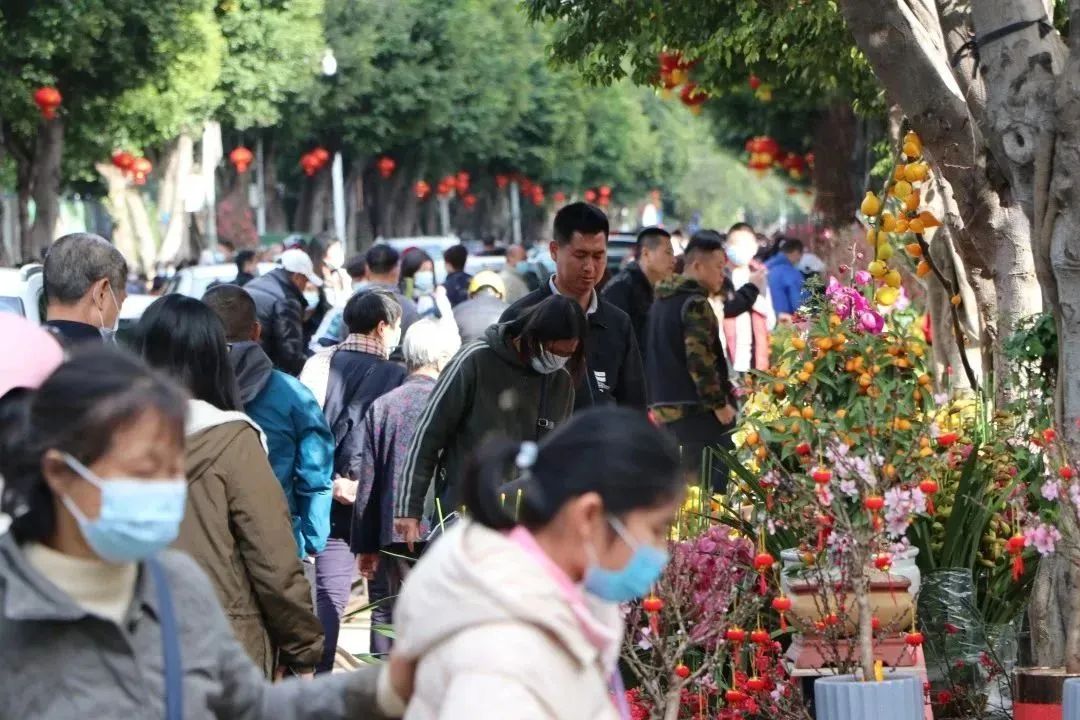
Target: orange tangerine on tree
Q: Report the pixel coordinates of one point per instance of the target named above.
(955, 300)
(808, 413)
(923, 268)
(798, 343)
(913, 249)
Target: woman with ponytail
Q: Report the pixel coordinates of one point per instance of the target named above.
(514, 613)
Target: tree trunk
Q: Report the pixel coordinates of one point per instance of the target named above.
(141, 226)
(834, 138)
(171, 199)
(46, 185)
(276, 220)
(123, 235)
(24, 173)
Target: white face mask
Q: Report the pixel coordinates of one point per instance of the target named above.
(392, 338)
(108, 334)
(548, 362)
(311, 297)
(424, 281)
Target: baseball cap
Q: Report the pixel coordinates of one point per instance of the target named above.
(487, 278)
(39, 354)
(297, 261)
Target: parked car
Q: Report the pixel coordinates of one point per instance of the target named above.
(194, 281)
(22, 292)
(620, 249)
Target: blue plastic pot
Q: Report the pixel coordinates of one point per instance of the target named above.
(898, 697)
(1070, 700)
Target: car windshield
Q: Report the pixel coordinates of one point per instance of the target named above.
(12, 305)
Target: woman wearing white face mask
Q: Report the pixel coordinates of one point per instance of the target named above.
(518, 381)
(98, 619)
(514, 612)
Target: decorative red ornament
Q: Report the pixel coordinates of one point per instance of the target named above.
(241, 158)
(755, 82)
(652, 604)
(821, 476)
(844, 269)
(48, 99)
(947, 439)
(735, 635)
(914, 639)
(321, 155)
(875, 624)
(422, 189)
(693, 97)
(123, 160)
(469, 201)
(461, 182)
(803, 449)
(760, 636)
(386, 166)
(929, 488)
(1066, 473)
(874, 503)
(310, 164)
(763, 562)
(883, 562)
(605, 191)
(603, 201)
(755, 684)
(537, 195)
(590, 196)
(682, 671)
(734, 697)
(1015, 547)
(782, 605)
(559, 198)
(1049, 434)
(140, 168)
(501, 181)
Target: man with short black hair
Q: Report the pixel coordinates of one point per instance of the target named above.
(689, 383)
(579, 249)
(85, 280)
(384, 271)
(298, 440)
(356, 267)
(247, 264)
(632, 289)
(281, 307)
(786, 282)
(457, 280)
(346, 379)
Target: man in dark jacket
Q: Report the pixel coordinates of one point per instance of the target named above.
(483, 308)
(457, 280)
(281, 306)
(85, 280)
(689, 382)
(246, 267)
(384, 272)
(614, 372)
(299, 442)
(632, 289)
(346, 379)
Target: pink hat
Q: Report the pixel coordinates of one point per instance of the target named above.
(28, 354)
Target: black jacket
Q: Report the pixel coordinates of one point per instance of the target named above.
(631, 292)
(613, 362)
(357, 379)
(70, 333)
(280, 309)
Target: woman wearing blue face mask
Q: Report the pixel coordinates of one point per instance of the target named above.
(517, 606)
(97, 618)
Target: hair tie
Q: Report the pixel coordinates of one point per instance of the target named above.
(526, 456)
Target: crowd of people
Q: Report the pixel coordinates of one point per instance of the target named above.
(500, 457)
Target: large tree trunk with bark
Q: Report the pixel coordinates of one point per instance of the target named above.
(123, 234)
(834, 162)
(178, 166)
(46, 185)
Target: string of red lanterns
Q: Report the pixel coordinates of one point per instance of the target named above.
(137, 168)
(314, 161)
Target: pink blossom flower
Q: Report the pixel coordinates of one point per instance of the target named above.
(871, 321)
(1051, 489)
(824, 495)
(862, 277)
(1043, 538)
(849, 488)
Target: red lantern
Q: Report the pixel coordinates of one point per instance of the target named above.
(422, 189)
(755, 82)
(321, 155)
(501, 181)
(559, 198)
(590, 195)
(525, 185)
(605, 191)
(469, 201)
(461, 182)
(537, 195)
(386, 166)
(603, 201)
(310, 163)
(140, 168)
(47, 99)
(123, 160)
(241, 158)
(693, 97)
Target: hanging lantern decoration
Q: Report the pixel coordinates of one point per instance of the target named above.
(469, 201)
(444, 188)
(1015, 546)
(559, 198)
(422, 189)
(322, 155)
(48, 99)
(763, 563)
(537, 195)
(525, 185)
(461, 182)
(310, 163)
(693, 97)
(123, 161)
(795, 165)
(755, 82)
(386, 166)
(590, 196)
(782, 605)
(763, 153)
(501, 181)
(605, 191)
(140, 168)
(241, 158)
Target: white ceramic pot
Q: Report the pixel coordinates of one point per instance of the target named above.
(842, 697)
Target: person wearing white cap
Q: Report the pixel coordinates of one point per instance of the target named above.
(280, 304)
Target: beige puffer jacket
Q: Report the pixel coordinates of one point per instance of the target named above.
(495, 637)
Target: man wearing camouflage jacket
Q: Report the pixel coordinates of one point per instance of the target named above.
(689, 383)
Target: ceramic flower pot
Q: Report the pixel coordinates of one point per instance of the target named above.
(897, 697)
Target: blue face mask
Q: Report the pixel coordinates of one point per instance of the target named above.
(138, 518)
(634, 580)
(424, 281)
